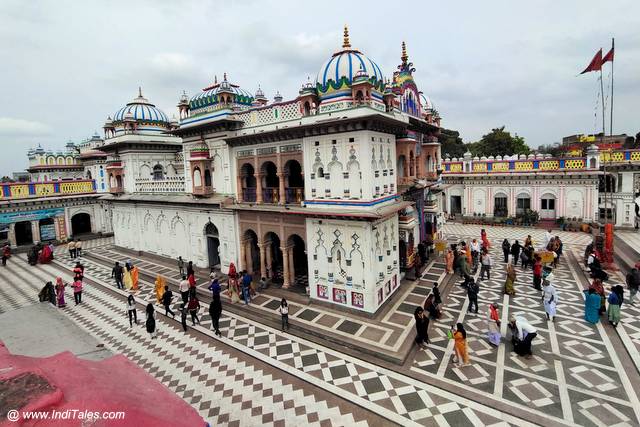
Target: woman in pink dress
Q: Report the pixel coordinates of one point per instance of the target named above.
(60, 292)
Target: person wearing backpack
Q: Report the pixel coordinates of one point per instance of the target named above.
(472, 292)
(633, 282)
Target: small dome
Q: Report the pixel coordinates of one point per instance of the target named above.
(212, 95)
(344, 66)
(140, 109)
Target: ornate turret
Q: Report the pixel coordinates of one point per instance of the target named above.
(183, 105)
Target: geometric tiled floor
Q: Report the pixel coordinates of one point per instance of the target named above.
(253, 375)
(575, 375)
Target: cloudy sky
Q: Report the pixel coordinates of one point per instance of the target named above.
(67, 65)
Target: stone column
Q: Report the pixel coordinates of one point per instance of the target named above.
(35, 231)
(258, 188)
(285, 268)
(11, 236)
(239, 189)
(292, 269)
(268, 253)
(67, 223)
(243, 256)
(249, 254)
(281, 198)
(263, 256)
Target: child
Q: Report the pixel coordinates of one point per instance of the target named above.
(284, 312)
(131, 310)
(77, 290)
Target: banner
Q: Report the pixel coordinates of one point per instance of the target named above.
(12, 217)
(47, 232)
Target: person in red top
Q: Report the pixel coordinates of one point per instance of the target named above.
(77, 290)
(537, 273)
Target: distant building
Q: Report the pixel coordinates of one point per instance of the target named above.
(575, 145)
(21, 176)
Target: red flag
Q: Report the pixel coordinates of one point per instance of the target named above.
(609, 56)
(595, 64)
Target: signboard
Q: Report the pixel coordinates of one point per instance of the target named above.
(12, 217)
(62, 229)
(47, 232)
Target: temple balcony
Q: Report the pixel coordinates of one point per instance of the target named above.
(162, 186)
(25, 190)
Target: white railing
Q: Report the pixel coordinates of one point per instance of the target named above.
(167, 185)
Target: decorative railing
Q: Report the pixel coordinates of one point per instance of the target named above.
(294, 194)
(161, 186)
(620, 156)
(25, 190)
(249, 195)
(271, 195)
(511, 166)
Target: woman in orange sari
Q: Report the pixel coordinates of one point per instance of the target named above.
(460, 337)
(449, 261)
(134, 278)
(485, 240)
(160, 284)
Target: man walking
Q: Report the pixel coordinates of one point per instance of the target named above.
(246, 287)
(215, 310)
(515, 251)
(78, 248)
(633, 282)
(485, 264)
(181, 265)
(166, 302)
(117, 273)
(184, 289)
(472, 292)
(71, 246)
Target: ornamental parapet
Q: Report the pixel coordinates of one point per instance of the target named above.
(26, 190)
(161, 186)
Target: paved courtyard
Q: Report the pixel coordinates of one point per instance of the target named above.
(255, 375)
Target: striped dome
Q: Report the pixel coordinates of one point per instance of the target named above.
(142, 110)
(209, 95)
(347, 64)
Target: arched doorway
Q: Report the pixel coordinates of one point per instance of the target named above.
(295, 182)
(271, 183)
(500, 208)
(213, 245)
(248, 181)
(47, 229)
(273, 257)
(80, 224)
(548, 206)
(401, 166)
(251, 252)
(23, 233)
(298, 267)
(523, 203)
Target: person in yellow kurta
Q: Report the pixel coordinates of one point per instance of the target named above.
(128, 283)
(134, 278)
(160, 284)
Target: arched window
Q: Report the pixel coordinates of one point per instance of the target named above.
(307, 108)
(320, 173)
(197, 177)
(158, 173)
(207, 178)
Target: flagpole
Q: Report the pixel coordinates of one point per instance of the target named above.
(611, 119)
(606, 215)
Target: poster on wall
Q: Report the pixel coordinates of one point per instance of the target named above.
(323, 291)
(387, 288)
(395, 281)
(47, 232)
(357, 299)
(340, 295)
(380, 298)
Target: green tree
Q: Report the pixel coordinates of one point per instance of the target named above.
(451, 143)
(499, 142)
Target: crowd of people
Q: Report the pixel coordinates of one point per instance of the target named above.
(464, 258)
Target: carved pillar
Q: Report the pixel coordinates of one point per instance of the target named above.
(249, 254)
(292, 269)
(285, 268)
(269, 254)
(239, 189)
(12, 235)
(258, 188)
(281, 198)
(35, 231)
(263, 256)
(243, 256)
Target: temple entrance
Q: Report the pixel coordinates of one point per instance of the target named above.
(23, 233)
(80, 224)
(298, 267)
(273, 257)
(213, 245)
(500, 208)
(456, 205)
(548, 207)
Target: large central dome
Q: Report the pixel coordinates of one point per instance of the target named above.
(339, 71)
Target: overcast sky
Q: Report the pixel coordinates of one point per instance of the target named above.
(66, 65)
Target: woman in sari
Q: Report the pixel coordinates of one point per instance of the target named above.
(597, 286)
(460, 338)
(449, 261)
(509, 283)
(45, 255)
(493, 323)
(134, 277)
(485, 240)
(467, 254)
(591, 306)
(160, 285)
(233, 284)
(60, 292)
(128, 283)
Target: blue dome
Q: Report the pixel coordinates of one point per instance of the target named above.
(347, 64)
(141, 110)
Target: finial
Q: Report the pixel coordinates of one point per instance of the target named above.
(215, 79)
(140, 91)
(345, 42)
(404, 56)
(225, 76)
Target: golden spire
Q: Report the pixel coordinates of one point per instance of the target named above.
(404, 56)
(345, 41)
